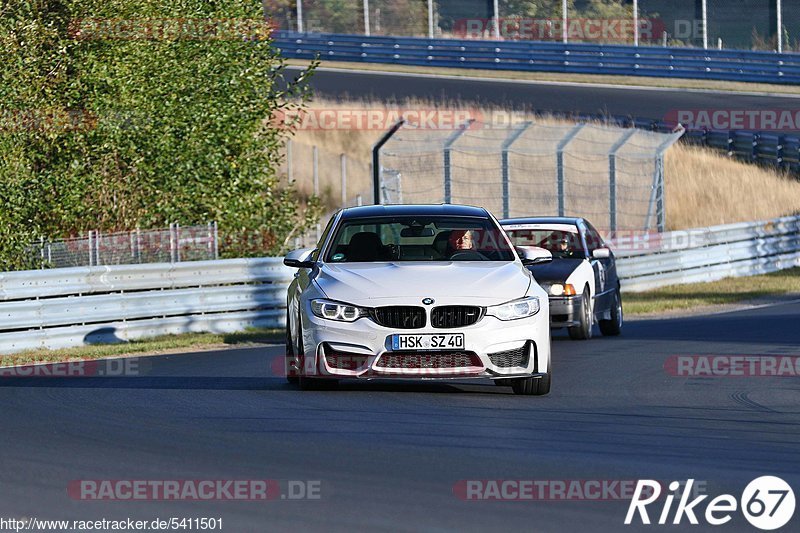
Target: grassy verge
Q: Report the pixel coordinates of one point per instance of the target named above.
(638, 81)
(153, 346)
(700, 295)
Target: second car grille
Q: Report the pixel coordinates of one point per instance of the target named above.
(400, 317)
(509, 358)
(429, 360)
(455, 316)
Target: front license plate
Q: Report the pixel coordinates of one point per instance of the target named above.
(451, 341)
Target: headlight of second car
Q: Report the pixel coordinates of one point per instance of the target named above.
(342, 312)
(516, 309)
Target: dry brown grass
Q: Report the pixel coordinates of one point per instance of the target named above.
(706, 188)
(703, 187)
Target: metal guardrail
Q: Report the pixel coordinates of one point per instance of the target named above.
(710, 254)
(90, 305)
(541, 56)
(87, 305)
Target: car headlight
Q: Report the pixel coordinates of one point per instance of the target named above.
(331, 310)
(517, 309)
(562, 289)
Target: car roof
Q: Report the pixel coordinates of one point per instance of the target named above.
(541, 220)
(369, 211)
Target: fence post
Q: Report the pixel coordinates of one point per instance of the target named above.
(97, 248)
(344, 180)
(300, 16)
(172, 243)
(315, 168)
(612, 178)
(562, 145)
(138, 246)
(376, 160)
(512, 138)
(448, 193)
(366, 18)
(91, 248)
(431, 33)
(41, 252)
(216, 240)
(290, 161)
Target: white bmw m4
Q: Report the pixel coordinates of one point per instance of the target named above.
(428, 292)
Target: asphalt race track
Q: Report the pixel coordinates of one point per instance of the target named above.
(388, 455)
(566, 98)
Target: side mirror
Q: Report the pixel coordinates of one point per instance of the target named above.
(601, 253)
(299, 259)
(533, 255)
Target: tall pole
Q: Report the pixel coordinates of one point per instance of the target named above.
(635, 22)
(705, 24)
(300, 16)
(564, 21)
(431, 34)
(496, 18)
(366, 18)
(780, 27)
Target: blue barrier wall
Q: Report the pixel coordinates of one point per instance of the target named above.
(537, 56)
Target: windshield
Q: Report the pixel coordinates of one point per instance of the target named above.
(418, 239)
(562, 240)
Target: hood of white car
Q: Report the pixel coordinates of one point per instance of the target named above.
(485, 283)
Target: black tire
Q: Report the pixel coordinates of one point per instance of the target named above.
(613, 327)
(583, 331)
(532, 386)
(292, 379)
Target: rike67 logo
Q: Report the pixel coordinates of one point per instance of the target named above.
(767, 503)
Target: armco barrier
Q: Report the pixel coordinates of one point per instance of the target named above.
(538, 56)
(67, 307)
(710, 254)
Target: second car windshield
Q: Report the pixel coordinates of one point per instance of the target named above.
(562, 241)
(418, 239)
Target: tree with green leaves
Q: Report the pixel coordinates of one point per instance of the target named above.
(116, 114)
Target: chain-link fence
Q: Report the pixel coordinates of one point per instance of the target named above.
(170, 245)
(743, 24)
(613, 176)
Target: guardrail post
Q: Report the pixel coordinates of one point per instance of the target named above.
(516, 134)
(562, 145)
(448, 145)
(612, 178)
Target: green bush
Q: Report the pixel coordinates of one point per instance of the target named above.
(106, 126)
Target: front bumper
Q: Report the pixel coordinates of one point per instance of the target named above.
(565, 311)
(366, 348)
